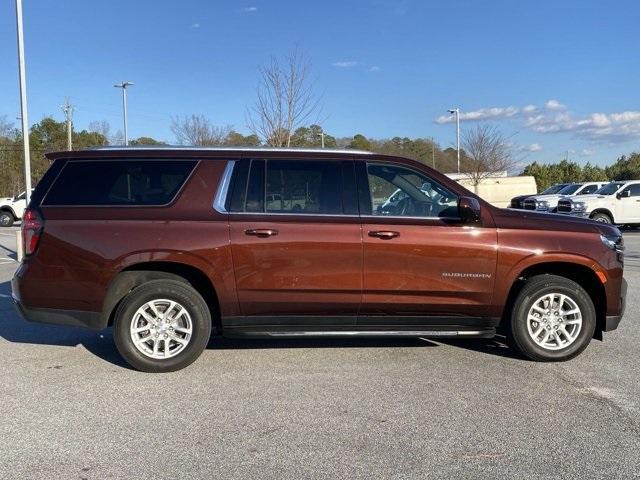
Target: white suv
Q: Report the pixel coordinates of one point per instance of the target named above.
(549, 202)
(12, 209)
(616, 202)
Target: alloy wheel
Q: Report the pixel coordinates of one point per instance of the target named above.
(161, 329)
(554, 321)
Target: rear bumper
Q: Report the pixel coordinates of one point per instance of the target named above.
(612, 321)
(52, 316)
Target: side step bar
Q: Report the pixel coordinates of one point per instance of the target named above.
(244, 332)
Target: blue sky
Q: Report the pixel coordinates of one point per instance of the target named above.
(557, 76)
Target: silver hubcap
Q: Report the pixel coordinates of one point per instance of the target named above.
(161, 328)
(602, 220)
(554, 321)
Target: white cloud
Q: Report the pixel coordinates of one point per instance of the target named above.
(345, 64)
(529, 109)
(491, 113)
(375, 68)
(587, 152)
(534, 147)
(195, 25)
(554, 105)
(249, 9)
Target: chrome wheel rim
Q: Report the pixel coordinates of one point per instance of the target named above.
(602, 220)
(554, 321)
(161, 329)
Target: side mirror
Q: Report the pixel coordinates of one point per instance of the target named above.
(469, 210)
(623, 194)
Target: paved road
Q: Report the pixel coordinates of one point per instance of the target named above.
(317, 409)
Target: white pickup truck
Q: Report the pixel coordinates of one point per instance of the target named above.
(12, 209)
(549, 202)
(616, 202)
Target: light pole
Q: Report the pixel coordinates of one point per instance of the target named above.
(124, 86)
(23, 103)
(456, 112)
(322, 139)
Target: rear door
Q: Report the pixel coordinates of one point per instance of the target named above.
(419, 260)
(296, 240)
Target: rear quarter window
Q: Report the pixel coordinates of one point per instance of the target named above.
(119, 182)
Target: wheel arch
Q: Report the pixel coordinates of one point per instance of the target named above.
(137, 274)
(605, 211)
(582, 274)
(6, 208)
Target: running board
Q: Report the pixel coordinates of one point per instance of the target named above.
(244, 332)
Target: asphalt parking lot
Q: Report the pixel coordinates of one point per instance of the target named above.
(316, 408)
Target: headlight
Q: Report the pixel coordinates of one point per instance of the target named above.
(542, 205)
(579, 206)
(613, 242)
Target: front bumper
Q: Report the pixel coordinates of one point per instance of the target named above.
(612, 321)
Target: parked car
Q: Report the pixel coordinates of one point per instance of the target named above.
(615, 203)
(517, 202)
(549, 202)
(12, 209)
(168, 245)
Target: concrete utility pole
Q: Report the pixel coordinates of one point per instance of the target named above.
(322, 138)
(67, 109)
(433, 153)
(23, 102)
(456, 112)
(123, 86)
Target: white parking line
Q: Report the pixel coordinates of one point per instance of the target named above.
(4, 296)
(7, 234)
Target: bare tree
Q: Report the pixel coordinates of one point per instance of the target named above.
(487, 152)
(197, 130)
(285, 100)
(102, 127)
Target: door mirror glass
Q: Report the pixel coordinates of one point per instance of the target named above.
(624, 194)
(469, 210)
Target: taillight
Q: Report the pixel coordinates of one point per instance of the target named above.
(32, 226)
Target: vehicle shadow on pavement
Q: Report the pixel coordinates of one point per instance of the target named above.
(100, 343)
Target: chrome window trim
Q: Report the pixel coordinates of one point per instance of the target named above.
(220, 199)
(412, 218)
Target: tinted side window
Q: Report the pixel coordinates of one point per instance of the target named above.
(634, 189)
(401, 192)
(293, 186)
(589, 189)
(119, 182)
(300, 186)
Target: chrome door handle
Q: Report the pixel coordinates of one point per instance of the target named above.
(384, 234)
(261, 232)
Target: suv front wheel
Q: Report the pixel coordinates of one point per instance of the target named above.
(162, 326)
(553, 319)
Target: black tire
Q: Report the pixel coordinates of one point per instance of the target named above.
(602, 218)
(179, 292)
(6, 219)
(534, 288)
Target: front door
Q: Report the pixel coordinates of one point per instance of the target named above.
(296, 239)
(630, 205)
(419, 260)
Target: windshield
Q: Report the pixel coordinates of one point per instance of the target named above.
(569, 189)
(554, 189)
(610, 188)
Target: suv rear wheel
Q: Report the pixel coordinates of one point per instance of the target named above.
(162, 326)
(553, 319)
(6, 219)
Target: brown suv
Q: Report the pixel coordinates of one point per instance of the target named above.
(170, 244)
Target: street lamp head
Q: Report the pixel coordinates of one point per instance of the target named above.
(452, 110)
(123, 84)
